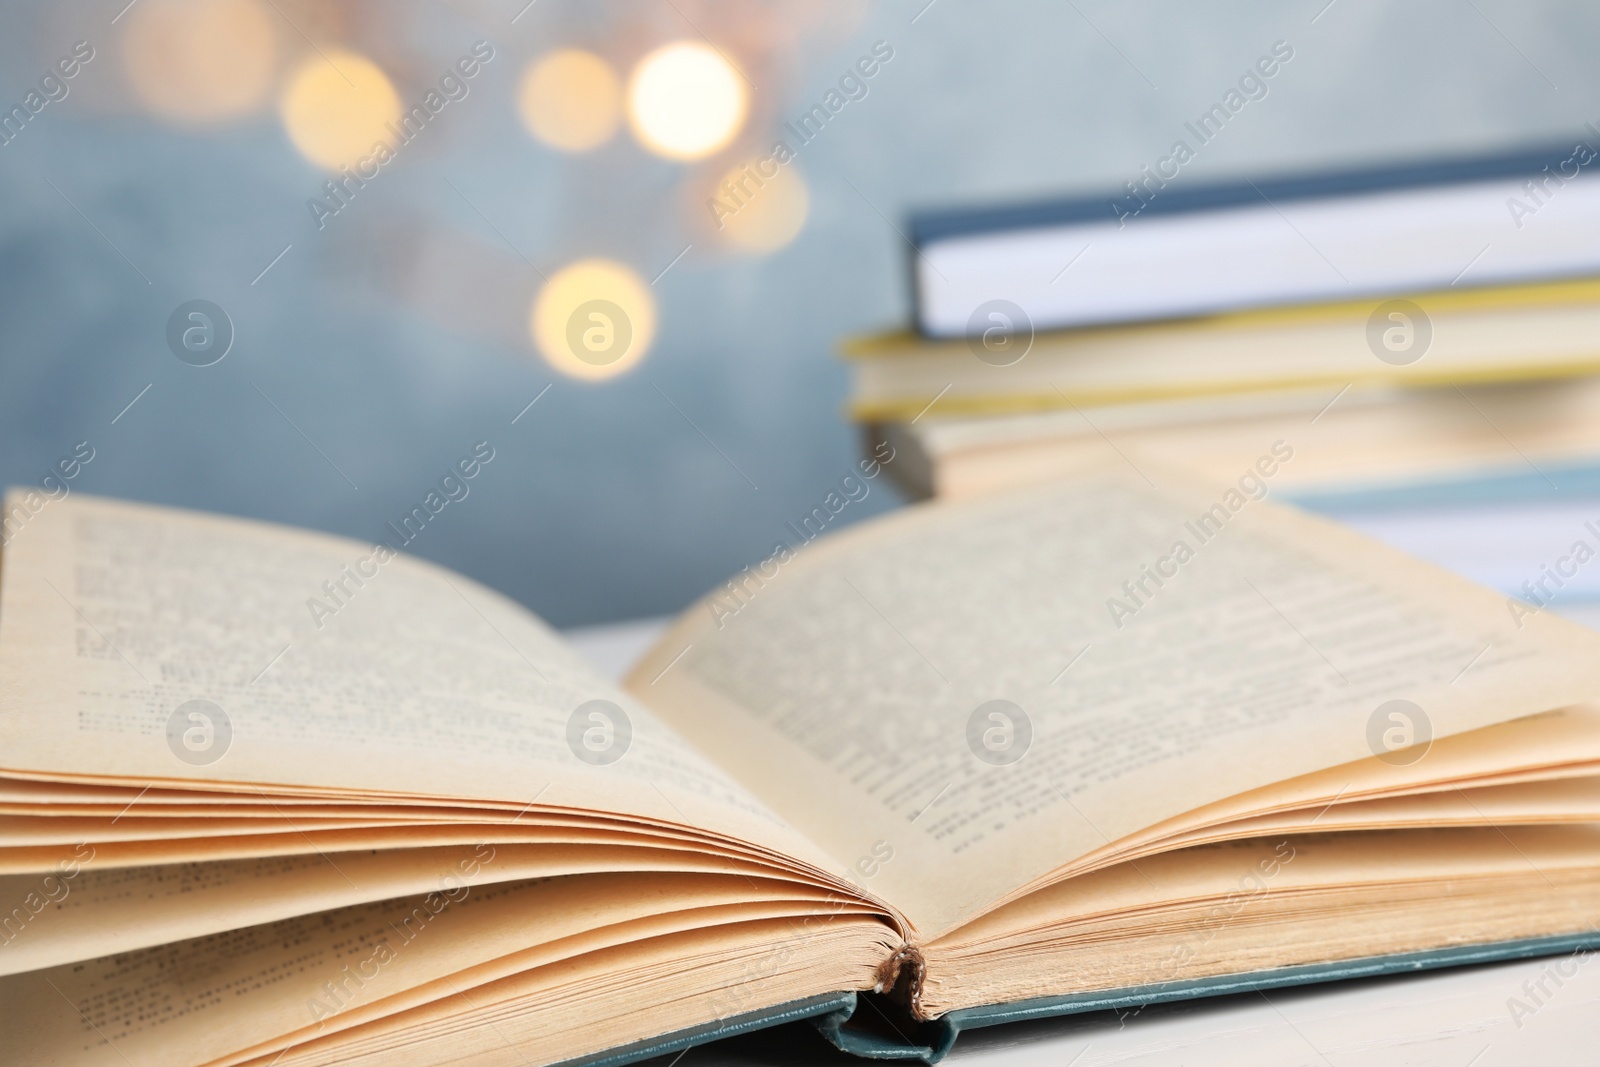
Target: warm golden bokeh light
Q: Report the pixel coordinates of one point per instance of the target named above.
(685, 101)
(594, 319)
(198, 62)
(571, 100)
(759, 211)
(336, 107)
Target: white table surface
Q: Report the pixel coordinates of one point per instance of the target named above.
(1461, 1017)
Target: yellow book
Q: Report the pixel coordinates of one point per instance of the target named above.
(1507, 333)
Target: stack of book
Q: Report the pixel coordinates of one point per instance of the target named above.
(1389, 326)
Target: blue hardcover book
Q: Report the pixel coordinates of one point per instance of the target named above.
(275, 798)
(1167, 245)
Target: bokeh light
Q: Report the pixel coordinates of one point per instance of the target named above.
(594, 319)
(337, 106)
(197, 62)
(571, 100)
(761, 205)
(685, 101)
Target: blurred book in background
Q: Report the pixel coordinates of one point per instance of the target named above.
(1447, 381)
(1164, 248)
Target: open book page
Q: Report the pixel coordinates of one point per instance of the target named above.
(1277, 901)
(1373, 862)
(147, 647)
(120, 854)
(1550, 749)
(1555, 744)
(960, 699)
(1567, 800)
(316, 975)
(97, 912)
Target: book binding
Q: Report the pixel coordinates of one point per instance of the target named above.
(932, 1041)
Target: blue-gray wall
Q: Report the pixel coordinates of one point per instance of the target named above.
(604, 501)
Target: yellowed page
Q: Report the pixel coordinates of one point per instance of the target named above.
(843, 686)
(1255, 905)
(1553, 744)
(610, 997)
(406, 679)
(1378, 862)
(118, 854)
(23, 831)
(179, 1003)
(615, 997)
(1547, 748)
(92, 913)
(1566, 800)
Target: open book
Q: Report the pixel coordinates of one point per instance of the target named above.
(279, 798)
